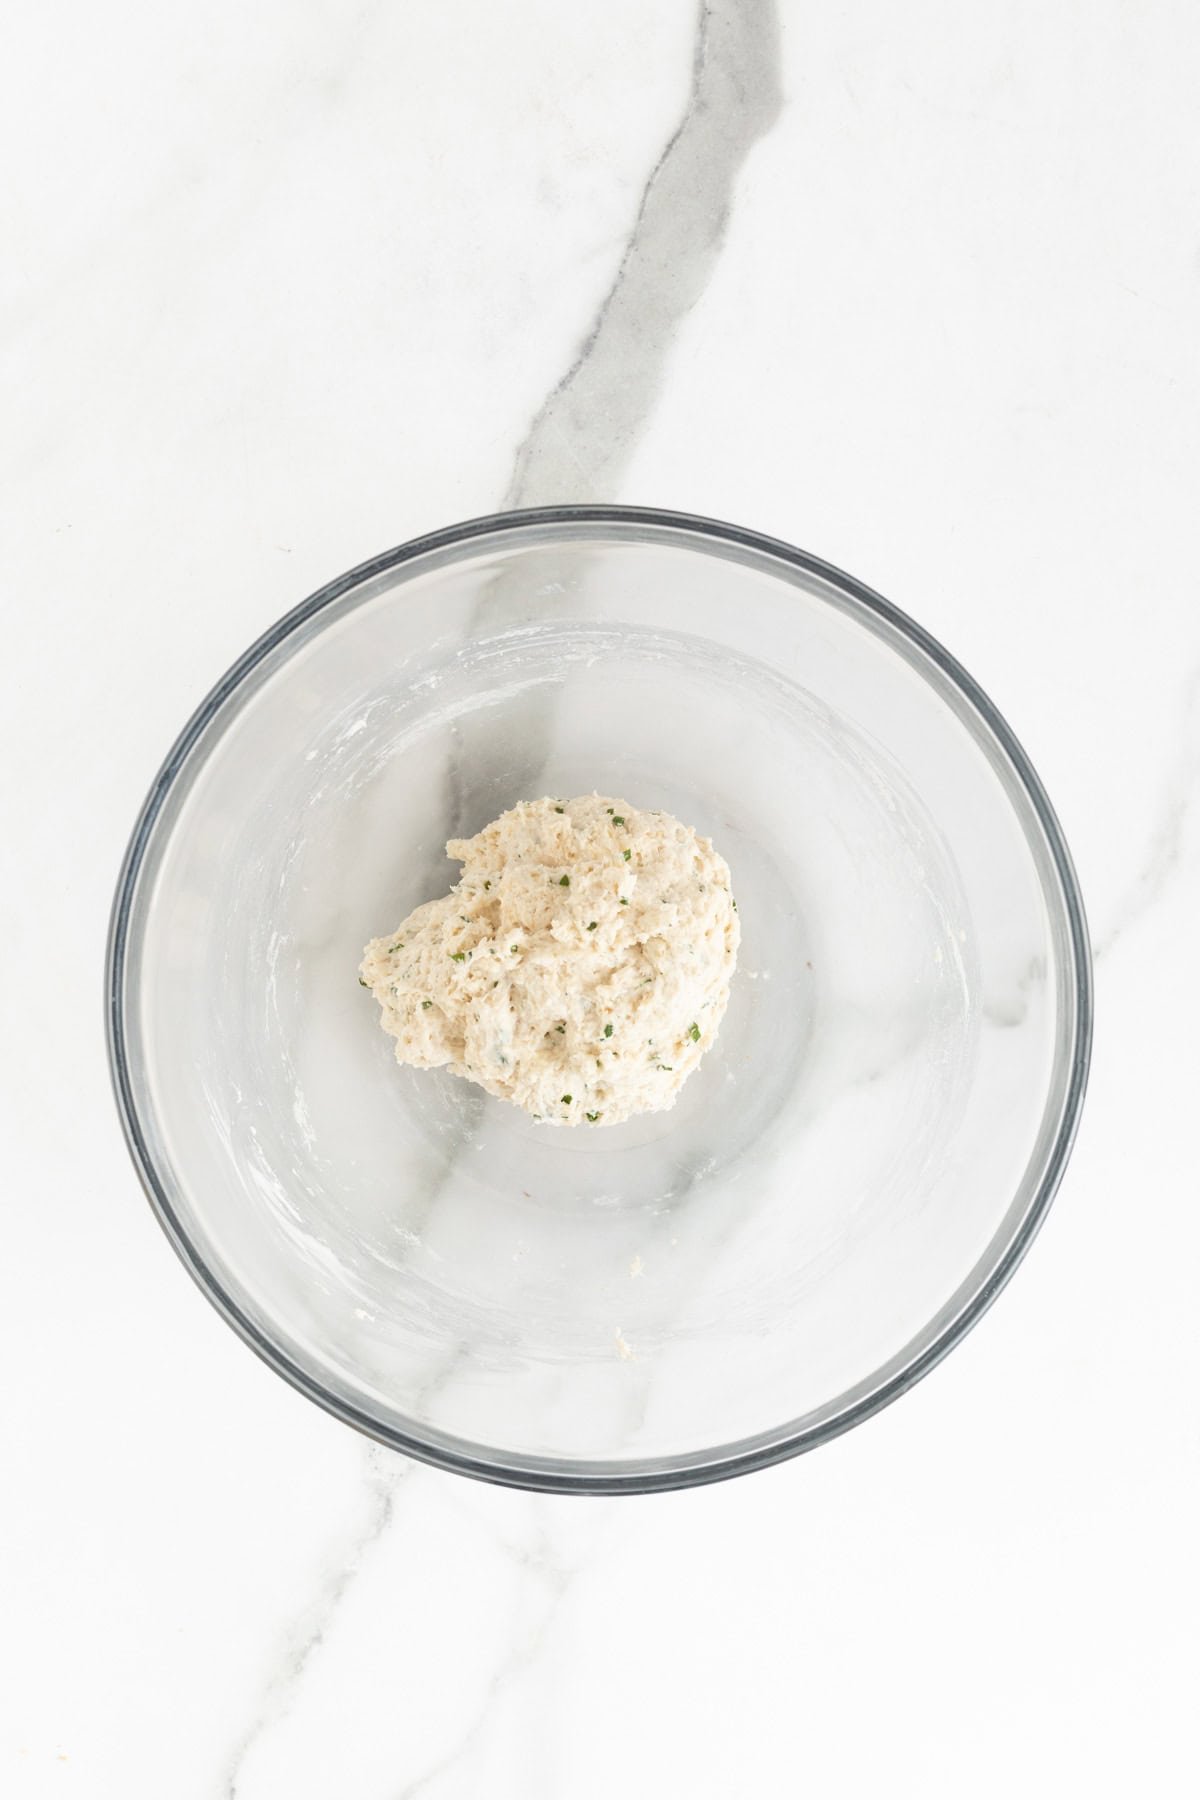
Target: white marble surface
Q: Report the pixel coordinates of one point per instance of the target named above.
(914, 287)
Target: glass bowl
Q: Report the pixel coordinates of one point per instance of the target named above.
(843, 1186)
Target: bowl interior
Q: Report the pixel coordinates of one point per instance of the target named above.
(841, 1180)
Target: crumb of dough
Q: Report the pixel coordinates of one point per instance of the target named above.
(636, 1267)
(579, 968)
(623, 1350)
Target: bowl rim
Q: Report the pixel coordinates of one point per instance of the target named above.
(536, 1472)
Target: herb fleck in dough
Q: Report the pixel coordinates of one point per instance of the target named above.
(580, 967)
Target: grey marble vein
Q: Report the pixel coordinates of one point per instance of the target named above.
(588, 426)
(308, 1631)
(1161, 858)
(555, 1579)
(576, 448)
(1009, 1011)
(586, 429)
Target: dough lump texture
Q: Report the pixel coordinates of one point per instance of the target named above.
(579, 968)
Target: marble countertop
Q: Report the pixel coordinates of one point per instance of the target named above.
(913, 287)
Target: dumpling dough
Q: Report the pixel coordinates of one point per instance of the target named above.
(579, 969)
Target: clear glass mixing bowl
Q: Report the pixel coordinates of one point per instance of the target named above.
(844, 1185)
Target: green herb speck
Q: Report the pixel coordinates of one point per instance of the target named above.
(566, 1099)
(735, 906)
(666, 1068)
(486, 886)
(627, 854)
(558, 809)
(694, 1033)
(608, 1031)
(458, 956)
(512, 949)
(363, 983)
(592, 1117)
(592, 926)
(618, 818)
(565, 882)
(624, 902)
(425, 1005)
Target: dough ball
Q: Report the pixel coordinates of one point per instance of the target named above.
(579, 968)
